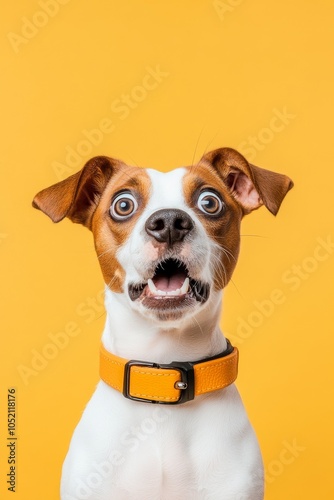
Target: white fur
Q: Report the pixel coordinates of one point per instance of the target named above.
(203, 449)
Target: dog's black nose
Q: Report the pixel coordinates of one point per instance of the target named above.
(169, 225)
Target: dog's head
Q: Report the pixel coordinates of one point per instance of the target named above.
(166, 240)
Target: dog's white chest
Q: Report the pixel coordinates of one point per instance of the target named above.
(141, 451)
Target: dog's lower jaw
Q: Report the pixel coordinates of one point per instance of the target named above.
(186, 337)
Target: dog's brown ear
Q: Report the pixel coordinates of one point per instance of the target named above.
(250, 185)
(77, 196)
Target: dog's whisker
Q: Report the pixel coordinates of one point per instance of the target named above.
(210, 142)
(237, 289)
(196, 146)
(226, 252)
(101, 315)
(254, 235)
(111, 282)
(194, 319)
(220, 248)
(105, 252)
(223, 275)
(134, 162)
(218, 270)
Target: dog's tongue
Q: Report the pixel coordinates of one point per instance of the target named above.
(169, 283)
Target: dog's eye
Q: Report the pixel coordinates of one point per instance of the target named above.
(210, 203)
(123, 206)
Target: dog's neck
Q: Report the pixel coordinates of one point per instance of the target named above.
(132, 336)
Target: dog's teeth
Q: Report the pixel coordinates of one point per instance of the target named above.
(152, 287)
(171, 293)
(185, 286)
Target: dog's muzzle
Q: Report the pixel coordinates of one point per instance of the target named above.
(169, 285)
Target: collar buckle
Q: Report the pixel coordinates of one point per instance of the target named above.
(186, 384)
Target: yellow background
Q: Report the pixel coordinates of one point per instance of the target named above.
(228, 68)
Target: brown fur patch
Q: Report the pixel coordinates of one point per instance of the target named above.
(223, 229)
(109, 234)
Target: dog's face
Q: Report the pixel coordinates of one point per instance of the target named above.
(167, 241)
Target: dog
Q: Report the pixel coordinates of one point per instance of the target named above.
(167, 244)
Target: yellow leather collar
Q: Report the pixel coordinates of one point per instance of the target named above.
(172, 383)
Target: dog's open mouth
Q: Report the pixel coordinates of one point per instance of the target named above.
(171, 285)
